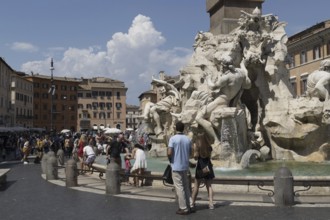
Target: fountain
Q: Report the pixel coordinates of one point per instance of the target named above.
(236, 91)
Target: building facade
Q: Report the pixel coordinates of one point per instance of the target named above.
(54, 110)
(306, 50)
(132, 116)
(7, 111)
(101, 104)
(22, 100)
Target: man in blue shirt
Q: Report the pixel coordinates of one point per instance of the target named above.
(179, 151)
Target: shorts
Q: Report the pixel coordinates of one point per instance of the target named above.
(90, 159)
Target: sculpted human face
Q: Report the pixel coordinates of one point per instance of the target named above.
(162, 90)
(326, 116)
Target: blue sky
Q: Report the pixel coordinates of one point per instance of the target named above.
(127, 40)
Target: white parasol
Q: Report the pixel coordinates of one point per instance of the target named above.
(112, 131)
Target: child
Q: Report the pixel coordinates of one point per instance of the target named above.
(128, 167)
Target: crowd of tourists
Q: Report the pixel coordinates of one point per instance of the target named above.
(84, 147)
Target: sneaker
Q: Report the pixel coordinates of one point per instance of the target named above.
(211, 206)
(182, 212)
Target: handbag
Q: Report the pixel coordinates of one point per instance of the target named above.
(203, 169)
(206, 170)
(167, 176)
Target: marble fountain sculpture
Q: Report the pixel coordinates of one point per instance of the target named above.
(235, 94)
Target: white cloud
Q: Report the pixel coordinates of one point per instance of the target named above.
(131, 57)
(23, 46)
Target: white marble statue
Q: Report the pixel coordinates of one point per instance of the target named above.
(171, 98)
(318, 82)
(226, 87)
(236, 90)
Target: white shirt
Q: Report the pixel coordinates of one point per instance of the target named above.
(88, 150)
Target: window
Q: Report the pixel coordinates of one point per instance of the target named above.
(292, 61)
(108, 105)
(118, 95)
(102, 115)
(80, 95)
(102, 105)
(108, 94)
(80, 106)
(118, 115)
(95, 104)
(294, 85)
(89, 106)
(303, 57)
(303, 83)
(94, 93)
(73, 97)
(328, 48)
(118, 105)
(108, 115)
(101, 93)
(316, 52)
(63, 87)
(94, 114)
(45, 95)
(88, 95)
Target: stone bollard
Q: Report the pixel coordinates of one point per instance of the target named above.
(60, 156)
(147, 181)
(71, 173)
(283, 187)
(51, 171)
(44, 163)
(51, 153)
(112, 180)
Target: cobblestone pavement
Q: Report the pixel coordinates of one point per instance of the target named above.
(29, 196)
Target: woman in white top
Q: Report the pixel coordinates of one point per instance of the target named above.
(89, 154)
(140, 163)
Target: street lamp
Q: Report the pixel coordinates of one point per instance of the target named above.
(105, 119)
(64, 98)
(51, 92)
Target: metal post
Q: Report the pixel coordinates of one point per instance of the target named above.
(64, 107)
(52, 92)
